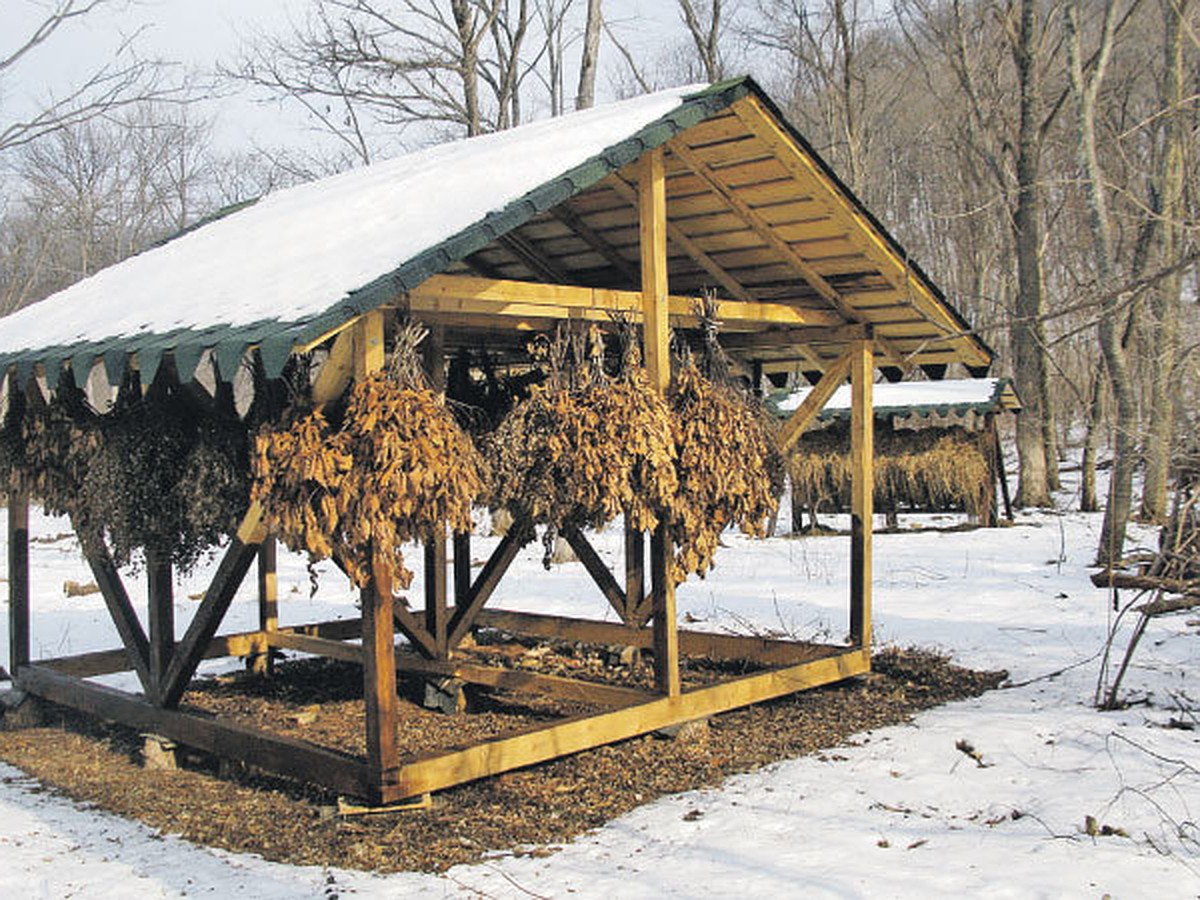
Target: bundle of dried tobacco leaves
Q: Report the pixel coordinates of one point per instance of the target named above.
(398, 468)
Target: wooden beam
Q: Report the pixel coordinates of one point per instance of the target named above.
(438, 771)
(379, 682)
(765, 651)
(466, 294)
(462, 568)
(533, 258)
(336, 371)
(268, 586)
(766, 232)
(285, 756)
(862, 490)
(656, 331)
(789, 337)
(678, 236)
(122, 613)
(18, 581)
(593, 239)
(435, 592)
(814, 401)
(635, 574)
(368, 344)
(597, 569)
(225, 583)
(160, 603)
(520, 681)
(489, 577)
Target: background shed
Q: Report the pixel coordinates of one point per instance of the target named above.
(937, 449)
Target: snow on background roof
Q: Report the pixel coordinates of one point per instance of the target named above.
(299, 251)
(972, 393)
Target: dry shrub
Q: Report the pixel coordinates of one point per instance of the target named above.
(727, 465)
(585, 446)
(154, 474)
(398, 468)
(930, 469)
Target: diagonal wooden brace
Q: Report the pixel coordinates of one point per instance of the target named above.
(121, 610)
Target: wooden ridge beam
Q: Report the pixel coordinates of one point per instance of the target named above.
(465, 294)
(765, 231)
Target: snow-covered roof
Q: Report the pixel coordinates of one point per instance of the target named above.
(308, 254)
(288, 271)
(948, 397)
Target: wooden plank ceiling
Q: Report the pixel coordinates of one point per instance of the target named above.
(751, 217)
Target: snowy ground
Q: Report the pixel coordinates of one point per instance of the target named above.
(900, 812)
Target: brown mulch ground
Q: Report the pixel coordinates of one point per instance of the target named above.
(526, 811)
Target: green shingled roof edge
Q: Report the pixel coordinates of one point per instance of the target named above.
(993, 404)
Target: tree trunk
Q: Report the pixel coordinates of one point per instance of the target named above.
(585, 97)
(1084, 92)
(1166, 296)
(1028, 333)
(1088, 501)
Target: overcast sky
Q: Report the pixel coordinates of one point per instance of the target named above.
(199, 34)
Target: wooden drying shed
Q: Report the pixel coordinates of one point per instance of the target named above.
(638, 208)
(959, 415)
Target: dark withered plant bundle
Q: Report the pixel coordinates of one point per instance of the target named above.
(586, 446)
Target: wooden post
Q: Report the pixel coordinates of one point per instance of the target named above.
(268, 600)
(635, 574)
(862, 489)
(434, 353)
(379, 681)
(161, 606)
(18, 582)
(435, 590)
(378, 608)
(652, 212)
(462, 568)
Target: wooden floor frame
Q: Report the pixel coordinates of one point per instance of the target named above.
(165, 665)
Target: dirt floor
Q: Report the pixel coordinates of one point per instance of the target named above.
(533, 811)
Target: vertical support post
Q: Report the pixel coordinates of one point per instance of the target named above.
(635, 573)
(462, 569)
(435, 590)
(656, 330)
(18, 582)
(268, 600)
(862, 489)
(434, 352)
(378, 612)
(161, 609)
(379, 682)
(756, 376)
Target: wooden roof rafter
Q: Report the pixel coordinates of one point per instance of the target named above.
(767, 233)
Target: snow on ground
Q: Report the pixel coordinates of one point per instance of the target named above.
(899, 812)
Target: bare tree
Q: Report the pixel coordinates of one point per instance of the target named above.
(585, 96)
(703, 21)
(124, 80)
